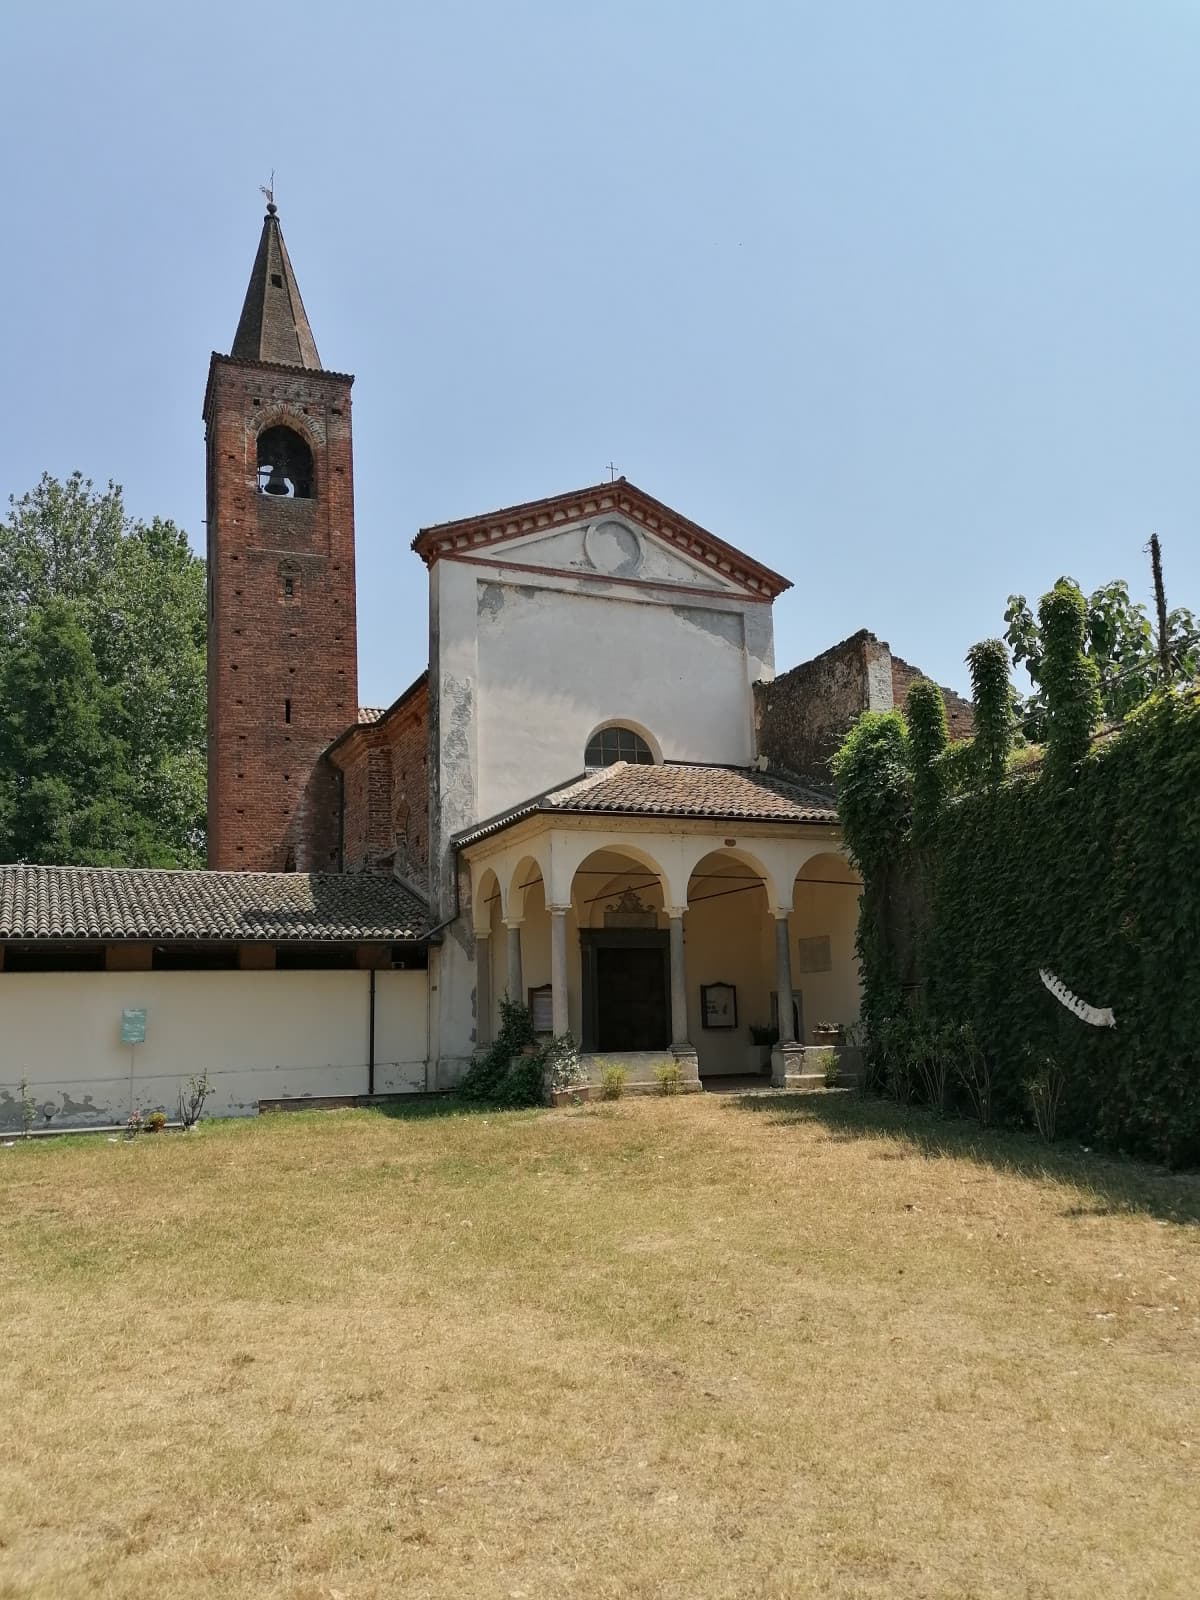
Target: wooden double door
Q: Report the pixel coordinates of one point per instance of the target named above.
(626, 989)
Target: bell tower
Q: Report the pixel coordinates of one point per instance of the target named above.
(282, 645)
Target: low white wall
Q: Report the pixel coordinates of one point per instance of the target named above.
(260, 1035)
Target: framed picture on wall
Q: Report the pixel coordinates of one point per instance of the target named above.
(541, 1008)
(718, 1005)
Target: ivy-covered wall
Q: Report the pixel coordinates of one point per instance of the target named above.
(1085, 863)
(1094, 876)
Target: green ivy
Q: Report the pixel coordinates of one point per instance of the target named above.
(1070, 677)
(1088, 867)
(928, 738)
(992, 694)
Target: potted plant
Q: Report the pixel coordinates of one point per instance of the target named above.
(829, 1033)
(763, 1040)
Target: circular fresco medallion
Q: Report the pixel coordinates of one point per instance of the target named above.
(613, 547)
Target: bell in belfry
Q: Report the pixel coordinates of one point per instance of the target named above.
(276, 483)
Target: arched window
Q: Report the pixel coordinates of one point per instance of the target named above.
(617, 744)
(285, 464)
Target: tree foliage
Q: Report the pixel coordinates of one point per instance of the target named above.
(96, 605)
(1118, 637)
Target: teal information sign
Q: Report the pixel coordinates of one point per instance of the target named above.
(133, 1027)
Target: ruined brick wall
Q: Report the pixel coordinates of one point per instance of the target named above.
(802, 715)
(282, 646)
(960, 714)
(385, 767)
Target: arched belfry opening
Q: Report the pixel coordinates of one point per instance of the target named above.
(285, 464)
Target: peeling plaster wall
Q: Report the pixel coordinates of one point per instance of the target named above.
(261, 1035)
(553, 665)
(525, 663)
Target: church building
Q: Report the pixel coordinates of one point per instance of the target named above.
(598, 798)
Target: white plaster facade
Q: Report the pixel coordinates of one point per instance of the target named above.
(538, 641)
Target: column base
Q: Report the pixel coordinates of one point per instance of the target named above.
(788, 1069)
(688, 1063)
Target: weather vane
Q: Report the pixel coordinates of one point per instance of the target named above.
(269, 191)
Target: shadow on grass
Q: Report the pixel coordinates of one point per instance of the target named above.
(421, 1108)
(1109, 1183)
(403, 1108)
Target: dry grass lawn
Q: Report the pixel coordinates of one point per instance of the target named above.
(671, 1348)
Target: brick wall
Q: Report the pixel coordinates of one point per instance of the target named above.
(960, 714)
(803, 715)
(385, 768)
(282, 645)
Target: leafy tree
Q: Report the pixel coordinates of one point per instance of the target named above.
(136, 593)
(66, 794)
(1118, 638)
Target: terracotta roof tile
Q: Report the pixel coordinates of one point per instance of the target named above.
(141, 903)
(674, 789)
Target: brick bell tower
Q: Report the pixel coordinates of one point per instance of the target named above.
(282, 645)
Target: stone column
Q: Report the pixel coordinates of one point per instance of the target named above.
(679, 1016)
(483, 988)
(513, 943)
(787, 1058)
(558, 969)
(783, 977)
(682, 1047)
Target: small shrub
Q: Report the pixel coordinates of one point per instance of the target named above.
(669, 1077)
(155, 1122)
(191, 1099)
(830, 1065)
(522, 1084)
(612, 1082)
(560, 1060)
(1045, 1089)
(488, 1071)
(134, 1126)
(28, 1107)
(974, 1070)
(931, 1064)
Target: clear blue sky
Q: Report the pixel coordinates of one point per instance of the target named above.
(902, 299)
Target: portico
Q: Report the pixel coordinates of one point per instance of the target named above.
(655, 938)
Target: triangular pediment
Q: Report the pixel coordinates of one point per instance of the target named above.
(611, 531)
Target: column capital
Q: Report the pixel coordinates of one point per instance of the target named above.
(780, 912)
(513, 923)
(558, 911)
(675, 913)
(483, 933)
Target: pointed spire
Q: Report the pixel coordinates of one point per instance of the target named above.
(274, 325)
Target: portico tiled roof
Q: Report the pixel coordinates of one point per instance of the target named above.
(81, 903)
(672, 789)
